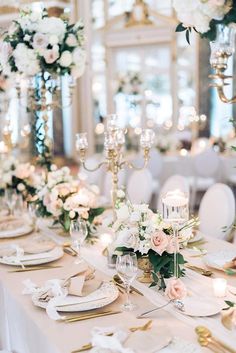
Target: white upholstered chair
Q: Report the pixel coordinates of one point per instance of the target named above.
(217, 211)
(139, 186)
(206, 167)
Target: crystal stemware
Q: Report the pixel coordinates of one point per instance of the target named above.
(10, 199)
(32, 211)
(78, 233)
(127, 268)
(175, 210)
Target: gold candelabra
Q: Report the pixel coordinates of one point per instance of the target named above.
(221, 50)
(114, 141)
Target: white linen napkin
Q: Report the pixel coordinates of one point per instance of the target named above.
(123, 341)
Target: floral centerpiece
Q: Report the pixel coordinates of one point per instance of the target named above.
(203, 16)
(65, 199)
(41, 49)
(129, 83)
(141, 230)
(39, 43)
(19, 176)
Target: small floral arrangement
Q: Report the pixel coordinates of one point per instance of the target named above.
(129, 83)
(141, 230)
(19, 176)
(65, 199)
(39, 43)
(203, 16)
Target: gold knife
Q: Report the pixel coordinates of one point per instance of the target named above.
(33, 268)
(91, 316)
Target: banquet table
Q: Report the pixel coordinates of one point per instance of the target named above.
(25, 328)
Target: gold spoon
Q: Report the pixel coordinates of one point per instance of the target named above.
(204, 342)
(206, 333)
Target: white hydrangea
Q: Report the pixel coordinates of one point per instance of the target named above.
(52, 26)
(26, 60)
(199, 13)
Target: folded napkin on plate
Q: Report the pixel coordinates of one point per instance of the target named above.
(230, 264)
(55, 292)
(123, 341)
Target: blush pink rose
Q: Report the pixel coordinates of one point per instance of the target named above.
(159, 242)
(175, 289)
(51, 56)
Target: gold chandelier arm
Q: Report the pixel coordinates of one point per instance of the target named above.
(145, 162)
(95, 168)
(222, 96)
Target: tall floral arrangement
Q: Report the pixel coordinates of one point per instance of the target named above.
(38, 43)
(64, 198)
(43, 48)
(203, 16)
(139, 229)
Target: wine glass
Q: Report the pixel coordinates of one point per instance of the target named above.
(175, 210)
(32, 211)
(10, 199)
(78, 233)
(127, 268)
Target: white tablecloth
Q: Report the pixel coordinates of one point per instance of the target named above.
(25, 328)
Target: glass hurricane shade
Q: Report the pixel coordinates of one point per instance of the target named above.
(81, 141)
(147, 138)
(223, 46)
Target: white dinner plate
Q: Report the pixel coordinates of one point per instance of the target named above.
(200, 307)
(218, 259)
(104, 295)
(33, 259)
(11, 227)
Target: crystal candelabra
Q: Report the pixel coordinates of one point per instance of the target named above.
(221, 50)
(114, 141)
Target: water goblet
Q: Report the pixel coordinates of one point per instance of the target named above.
(127, 269)
(78, 233)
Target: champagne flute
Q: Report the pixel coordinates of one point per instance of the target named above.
(175, 211)
(127, 269)
(10, 199)
(78, 233)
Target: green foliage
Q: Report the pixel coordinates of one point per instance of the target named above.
(230, 304)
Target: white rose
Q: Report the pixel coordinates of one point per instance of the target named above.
(40, 41)
(71, 40)
(201, 22)
(53, 39)
(72, 214)
(21, 187)
(65, 59)
(79, 56)
(51, 55)
(122, 213)
(27, 38)
(26, 60)
(77, 71)
(120, 193)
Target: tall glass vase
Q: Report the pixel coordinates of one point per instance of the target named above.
(43, 88)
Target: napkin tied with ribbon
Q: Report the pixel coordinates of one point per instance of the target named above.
(54, 291)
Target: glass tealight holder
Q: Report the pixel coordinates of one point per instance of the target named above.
(81, 141)
(175, 210)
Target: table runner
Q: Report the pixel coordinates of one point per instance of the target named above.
(28, 324)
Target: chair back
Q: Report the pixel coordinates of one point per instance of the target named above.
(217, 211)
(139, 187)
(206, 164)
